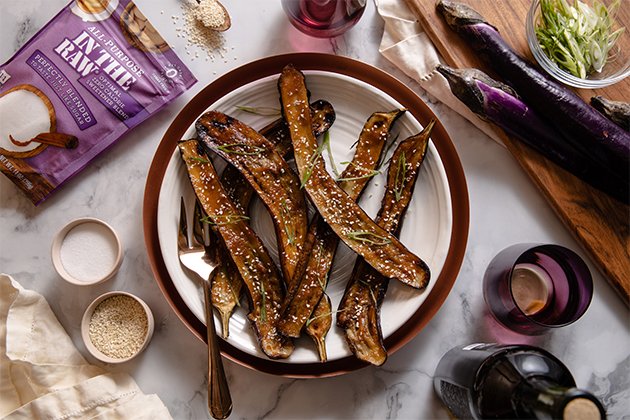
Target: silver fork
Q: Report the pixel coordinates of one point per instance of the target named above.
(194, 256)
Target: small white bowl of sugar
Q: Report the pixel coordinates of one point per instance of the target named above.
(87, 251)
(117, 326)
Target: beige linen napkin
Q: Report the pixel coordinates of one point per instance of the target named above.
(43, 376)
(406, 45)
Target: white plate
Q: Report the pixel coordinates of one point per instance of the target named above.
(426, 230)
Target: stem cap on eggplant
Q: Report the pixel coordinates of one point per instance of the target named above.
(463, 86)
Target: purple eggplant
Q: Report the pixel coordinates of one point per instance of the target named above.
(586, 128)
(499, 104)
(616, 111)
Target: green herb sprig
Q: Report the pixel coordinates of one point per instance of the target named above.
(229, 219)
(311, 165)
(263, 309)
(370, 172)
(367, 237)
(326, 143)
(370, 289)
(285, 215)
(401, 173)
(198, 159)
(265, 111)
(310, 320)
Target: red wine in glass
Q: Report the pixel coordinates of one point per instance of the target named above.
(323, 18)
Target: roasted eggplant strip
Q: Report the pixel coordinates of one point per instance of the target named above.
(319, 324)
(358, 314)
(322, 115)
(264, 288)
(301, 300)
(354, 227)
(226, 284)
(268, 173)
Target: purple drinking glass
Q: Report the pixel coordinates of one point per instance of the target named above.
(532, 288)
(323, 18)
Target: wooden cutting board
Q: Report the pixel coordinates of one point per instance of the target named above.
(599, 223)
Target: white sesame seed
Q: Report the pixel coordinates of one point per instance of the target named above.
(118, 327)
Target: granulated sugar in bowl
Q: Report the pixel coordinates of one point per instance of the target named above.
(87, 251)
(116, 327)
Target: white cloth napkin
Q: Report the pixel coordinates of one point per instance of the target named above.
(43, 376)
(406, 45)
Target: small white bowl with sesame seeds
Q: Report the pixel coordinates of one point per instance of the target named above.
(116, 327)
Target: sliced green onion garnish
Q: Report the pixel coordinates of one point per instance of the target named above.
(198, 159)
(577, 38)
(370, 172)
(369, 237)
(260, 110)
(311, 165)
(326, 143)
(401, 173)
(321, 316)
(286, 222)
(226, 219)
(370, 289)
(263, 311)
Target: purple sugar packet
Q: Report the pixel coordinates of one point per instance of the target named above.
(96, 70)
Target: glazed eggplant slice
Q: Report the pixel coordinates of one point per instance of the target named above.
(302, 299)
(226, 284)
(358, 314)
(354, 227)
(319, 324)
(263, 283)
(267, 173)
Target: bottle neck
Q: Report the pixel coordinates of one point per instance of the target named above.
(540, 398)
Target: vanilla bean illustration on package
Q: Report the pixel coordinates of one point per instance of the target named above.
(96, 70)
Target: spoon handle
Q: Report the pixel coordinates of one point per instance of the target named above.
(219, 399)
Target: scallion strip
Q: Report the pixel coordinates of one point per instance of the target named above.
(286, 222)
(401, 173)
(365, 237)
(229, 219)
(577, 38)
(370, 172)
(260, 110)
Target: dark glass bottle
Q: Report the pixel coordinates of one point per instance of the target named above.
(499, 381)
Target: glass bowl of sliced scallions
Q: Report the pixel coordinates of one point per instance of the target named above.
(581, 43)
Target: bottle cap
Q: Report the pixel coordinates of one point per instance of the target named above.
(581, 409)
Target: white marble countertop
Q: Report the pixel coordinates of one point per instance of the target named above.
(505, 208)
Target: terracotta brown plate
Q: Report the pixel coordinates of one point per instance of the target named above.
(335, 64)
